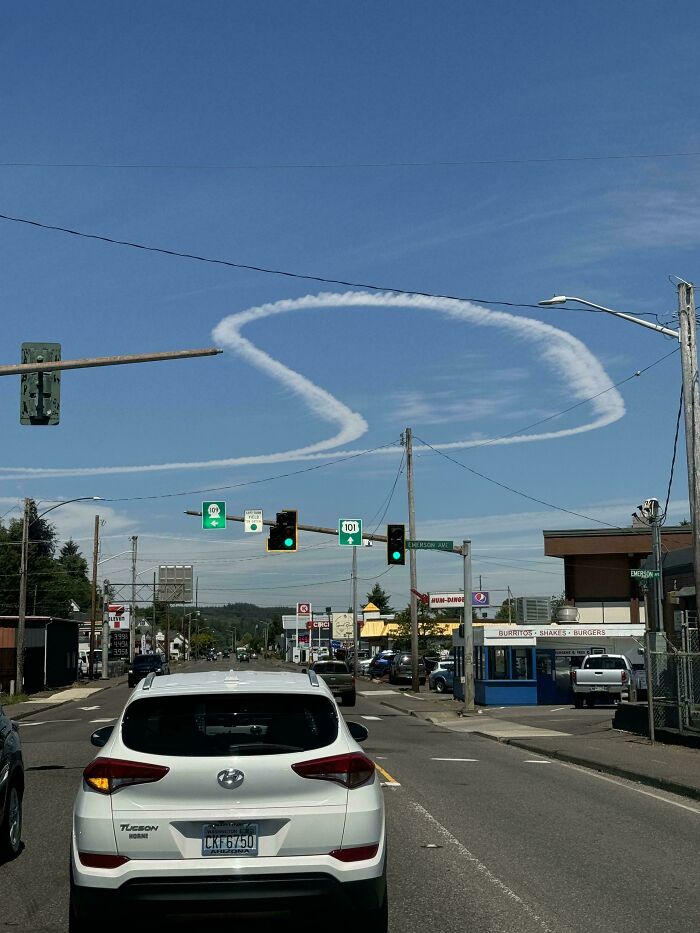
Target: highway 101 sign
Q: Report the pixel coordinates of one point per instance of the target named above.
(213, 515)
(350, 532)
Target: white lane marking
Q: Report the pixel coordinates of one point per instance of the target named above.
(454, 759)
(377, 693)
(375, 718)
(537, 761)
(622, 783)
(558, 709)
(104, 720)
(480, 867)
(45, 722)
(88, 708)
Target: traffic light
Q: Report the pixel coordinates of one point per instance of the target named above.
(396, 545)
(283, 534)
(40, 393)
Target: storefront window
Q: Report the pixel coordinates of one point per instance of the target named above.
(521, 659)
(478, 663)
(498, 663)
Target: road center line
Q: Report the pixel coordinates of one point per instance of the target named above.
(374, 718)
(536, 761)
(480, 867)
(104, 720)
(392, 782)
(45, 722)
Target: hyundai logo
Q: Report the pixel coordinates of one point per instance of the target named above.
(230, 778)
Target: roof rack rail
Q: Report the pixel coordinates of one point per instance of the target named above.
(313, 678)
(149, 680)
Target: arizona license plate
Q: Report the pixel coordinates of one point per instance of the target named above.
(220, 839)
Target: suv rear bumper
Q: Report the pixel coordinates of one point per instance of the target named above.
(224, 893)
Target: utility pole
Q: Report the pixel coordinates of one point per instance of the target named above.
(355, 663)
(105, 630)
(154, 636)
(408, 443)
(132, 622)
(22, 613)
(93, 614)
(510, 609)
(468, 630)
(687, 337)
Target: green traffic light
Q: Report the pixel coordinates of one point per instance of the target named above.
(288, 542)
(396, 555)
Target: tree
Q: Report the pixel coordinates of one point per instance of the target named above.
(380, 598)
(503, 613)
(52, 582)
(557, 603)
(201, 643)
(428, 627)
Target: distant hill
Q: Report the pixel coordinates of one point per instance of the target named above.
(222, 619)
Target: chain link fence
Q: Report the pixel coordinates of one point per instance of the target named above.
(674, 675)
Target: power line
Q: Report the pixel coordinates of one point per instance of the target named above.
(387, 501)
(255, 482)
(325, 166)
(266, 270)
(517, 492)
(673, 458)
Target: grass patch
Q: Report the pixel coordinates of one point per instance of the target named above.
(7, 699)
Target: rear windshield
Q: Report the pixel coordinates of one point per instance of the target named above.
(214, 725)
(148, 660)
(601, 663)
(331, 667)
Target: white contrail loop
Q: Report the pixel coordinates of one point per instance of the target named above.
(566, 355)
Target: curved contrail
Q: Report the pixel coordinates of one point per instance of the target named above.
(569, 357)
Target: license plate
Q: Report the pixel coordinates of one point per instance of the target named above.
(601, 688)
(221, 839)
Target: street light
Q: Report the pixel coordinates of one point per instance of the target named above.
(24, 557)
(686, 337)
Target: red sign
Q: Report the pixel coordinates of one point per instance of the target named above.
(309, 625)
(117, 610)
(303, 609)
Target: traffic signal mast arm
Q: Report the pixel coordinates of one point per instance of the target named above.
(18, 369)
(316, 529)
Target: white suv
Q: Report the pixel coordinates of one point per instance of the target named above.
(229, 792)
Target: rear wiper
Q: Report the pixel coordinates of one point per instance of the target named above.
(251, 748)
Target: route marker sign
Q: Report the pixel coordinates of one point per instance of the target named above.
(350, 532)
(253, 520)
(429, 545)
(641, 574)
(213, 515)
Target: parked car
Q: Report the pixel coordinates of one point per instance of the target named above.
(601, 677)
(363, 666)
(243, 657)
(226, 655)
(339, 678)
(207, 800)
(401, 670)
(11, 788)
(380, 663)
(144, 664)
(441, 678)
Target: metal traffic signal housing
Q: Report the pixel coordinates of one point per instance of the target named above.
(396, 545)
(283, 534)
(40, 393)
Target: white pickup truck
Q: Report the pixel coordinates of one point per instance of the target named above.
(603, 677)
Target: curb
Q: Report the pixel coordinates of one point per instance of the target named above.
(672, 787)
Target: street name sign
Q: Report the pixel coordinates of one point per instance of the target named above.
(350, 532)
(641, 574)
(429, 545)
(253, 520)
(213, 515)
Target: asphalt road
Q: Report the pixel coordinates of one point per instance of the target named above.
(483, 837)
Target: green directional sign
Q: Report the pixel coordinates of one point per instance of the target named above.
(429, 545)
(641, 574)
(350, 532)
(213, 515)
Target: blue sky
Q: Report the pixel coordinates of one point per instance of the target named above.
(274, 134)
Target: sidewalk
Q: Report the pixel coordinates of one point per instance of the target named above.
(672, 768)
(20, 711)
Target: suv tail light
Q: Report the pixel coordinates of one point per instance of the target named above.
(98, 860)
(351, 770)
(109, 774)
(623, 678)
(573, 677)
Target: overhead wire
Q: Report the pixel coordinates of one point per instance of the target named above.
(249, 267)
(673, 458)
